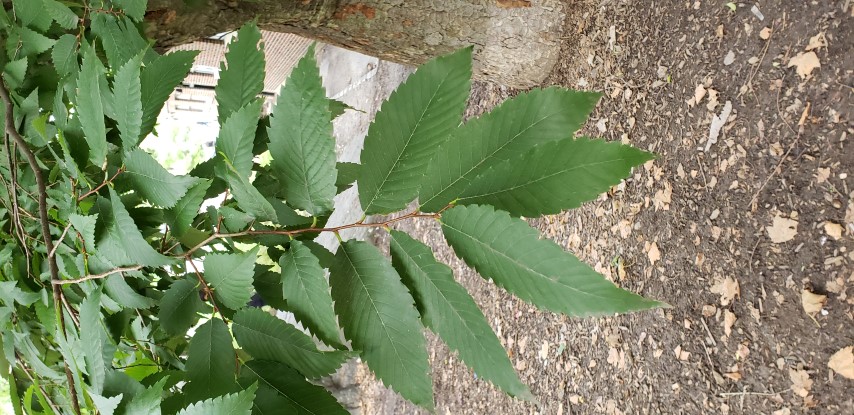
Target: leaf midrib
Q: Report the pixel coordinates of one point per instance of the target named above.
(408, 140)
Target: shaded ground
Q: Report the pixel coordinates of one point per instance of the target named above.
(694, 228)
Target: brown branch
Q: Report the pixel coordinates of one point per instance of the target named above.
(206, 288)
(98, 276)
(101, 186)
(336, 229)
(48, 242)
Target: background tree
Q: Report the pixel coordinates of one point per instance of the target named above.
(516, 41)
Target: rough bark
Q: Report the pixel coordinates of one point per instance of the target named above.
(516, 41)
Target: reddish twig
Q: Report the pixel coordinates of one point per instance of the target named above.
(101, 186)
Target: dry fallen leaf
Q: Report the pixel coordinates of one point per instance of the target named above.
(834, 230)
(782, 229)
(801, 383)
(681, 354)
(728, 288)
(842, 362)
(729, 321)
(804, 63)
(765, 33)
(812, 302)
(736, 376)
(817, 42)
(654, 254)
(699, 93)
(822, 174)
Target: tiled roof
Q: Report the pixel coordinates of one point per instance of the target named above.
(282, 51)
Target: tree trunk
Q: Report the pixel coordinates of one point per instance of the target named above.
(516, 41)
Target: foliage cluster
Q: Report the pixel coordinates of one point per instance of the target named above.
(120, 294)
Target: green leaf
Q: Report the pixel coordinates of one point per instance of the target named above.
(236, 137)
(417, 118)
(249, 198)
(554, 176)
(268, 284)
(135, 9)
(90, 110)
(147, 402)
(159, 79)
(106, 406)
(378, 316)
(230, 277)
(180, 217)
(85, 225)
(267, 337)
(305, 288)
(27, 11)
(243, 79)
(536, 270)
(179, 305)
(64, 54)
(448, 310)
(15, 72)
(301, 141)
(514, 127)
(31, 42)
(347, 175)
(233, 404)
(336, 108)
(119, 290)
(120, 38)
(282, 390)
(153, 182)
(98, 350)
(128, 94)
(211, 361)
(66, 18)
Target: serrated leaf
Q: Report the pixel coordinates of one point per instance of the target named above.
(153, 182)
(27, 11)
(147, 402)
(415, 121)
(448, 310)
(127, 235)
(305, 288)
(536, 270)
(282, 389)
(135, 9)
(232, 404)
(85, 226)
(180, 217)
(119, 290)
(347, 175)
(268, 285)
(64, 54)
(248, 197)
(301, 141)
(243, 77)
(90, 109)
(63, 16)
(267, 337)
(98, 349)
(210, 367)
(32, 42)
(179, 305)
(106, 406)
(120, 38)
(337, 108)
(15, 71)
(236, 137)
(230, 277)
(554, 176)
(514, 127)
(158, 80)
(378, 316)
(128, 98)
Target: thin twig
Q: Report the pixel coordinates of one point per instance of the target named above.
(336, 229)
(749, 83)
(98, 276)
(100, 186)
(743, 393)
(48, 242)
(26, 371)
(206, 288)
(779, 165)
(61, 237)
